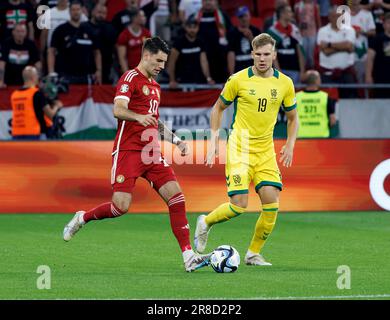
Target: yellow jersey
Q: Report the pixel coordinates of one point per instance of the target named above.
(256, 103)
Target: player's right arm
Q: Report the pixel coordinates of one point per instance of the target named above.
(228, 94)
(215, 124)
(122, 112)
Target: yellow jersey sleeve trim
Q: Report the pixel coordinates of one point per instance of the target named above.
(290, 108)
(226, 102)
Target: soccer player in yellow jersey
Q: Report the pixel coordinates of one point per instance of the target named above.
(257, 93)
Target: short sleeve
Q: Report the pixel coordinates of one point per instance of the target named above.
(30, 14)
(34, 54)
(289, 101)
(122, 39)
(370, 22)
(177, 45)
(331, 108)
(229, 91)
(4, 51)
(351, 35)
(126, 85)
(320, 36)
(40, 103)
(201, 45)
(56, 38)
(373, 43)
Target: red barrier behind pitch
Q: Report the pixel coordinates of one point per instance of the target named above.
(68, 176)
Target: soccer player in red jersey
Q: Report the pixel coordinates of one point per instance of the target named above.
(137, 153)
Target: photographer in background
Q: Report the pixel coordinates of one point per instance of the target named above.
(32, 115)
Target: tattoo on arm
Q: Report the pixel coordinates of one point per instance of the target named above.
(164, 132)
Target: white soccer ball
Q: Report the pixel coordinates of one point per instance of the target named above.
(225, 259)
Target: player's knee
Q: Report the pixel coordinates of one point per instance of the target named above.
(239, 201)
(269, 194)
(122, 205)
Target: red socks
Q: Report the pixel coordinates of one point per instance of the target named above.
(179, 223)
(177, 216)
(105, 210)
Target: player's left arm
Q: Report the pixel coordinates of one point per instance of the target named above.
(167, 135)
(287, 150)
(290, 109)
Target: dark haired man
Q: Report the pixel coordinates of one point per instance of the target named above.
(137, 153)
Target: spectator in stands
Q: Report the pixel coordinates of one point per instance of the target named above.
(49, 3)
(214, 25)
(161, 19)
(57, 15)
(378, 59)
(31, 114)
(74, 53)
(14, 12)
(240, 41)
(269, 22)
(316, 110)
(378, 9)
(17, 53)
(336, 58)
(363, 23)
(188, 60)
(106, 35)
(325, 6)
(290, 58)
(131, 39)
(188, 8)
(122, 19)
(307, 15)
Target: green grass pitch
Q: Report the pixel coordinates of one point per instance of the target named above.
(137, 257)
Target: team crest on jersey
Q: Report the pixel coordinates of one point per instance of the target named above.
(236, 179)
(274, 93)
(252, 92)
(124, 88)
(145, 90)
(120, 178)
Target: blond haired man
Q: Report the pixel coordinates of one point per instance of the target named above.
(257, 93)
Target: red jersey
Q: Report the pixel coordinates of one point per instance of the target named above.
(133, 43)
(143, 96)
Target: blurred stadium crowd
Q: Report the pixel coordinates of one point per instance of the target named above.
(95, 41)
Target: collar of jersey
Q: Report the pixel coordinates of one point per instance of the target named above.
(251, 74)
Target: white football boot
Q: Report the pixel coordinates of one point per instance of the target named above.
(255, 259)
(201, 234)
(197, 261)
(73, 226)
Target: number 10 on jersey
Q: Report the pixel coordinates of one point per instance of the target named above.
(153, 106)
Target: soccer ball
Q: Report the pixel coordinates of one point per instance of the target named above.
(225, 259)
